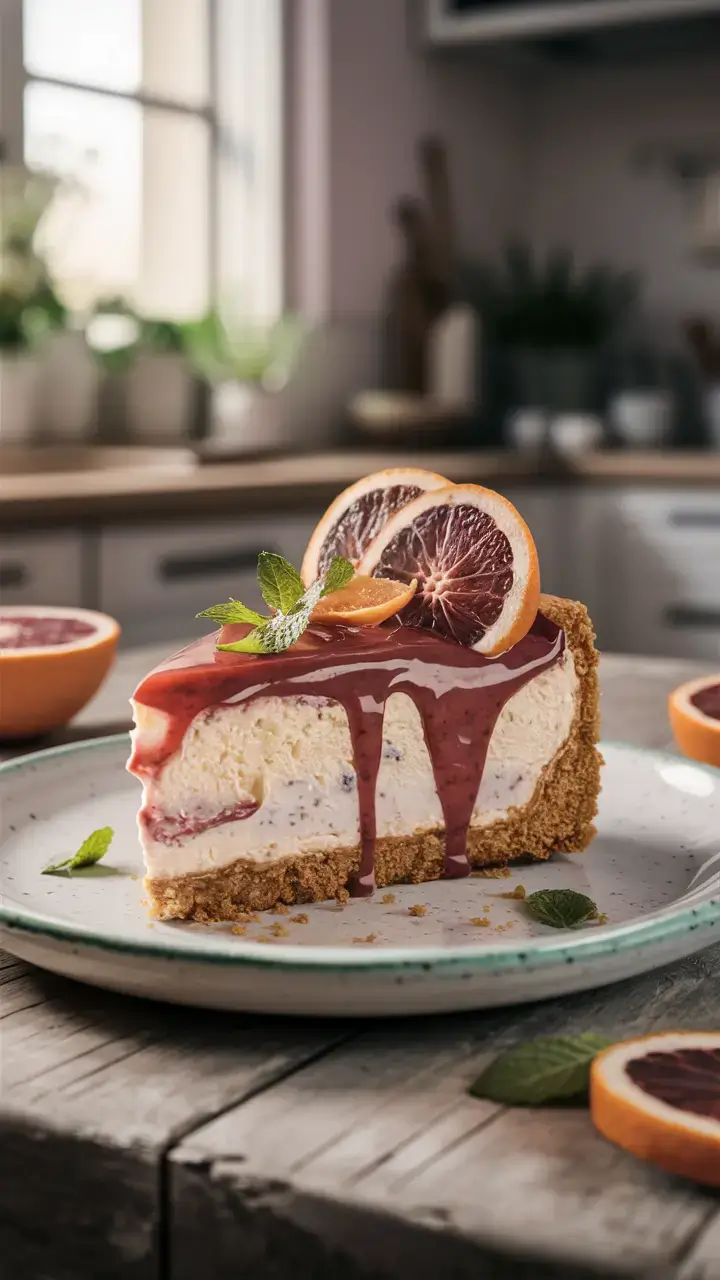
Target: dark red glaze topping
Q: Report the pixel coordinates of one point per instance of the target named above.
(464, 567)
(32, 632)
(352, 534)
(688, 1079)
(170, 828)
(459, 695)
(708, 701)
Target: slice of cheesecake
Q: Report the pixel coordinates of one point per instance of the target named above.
(361, 757)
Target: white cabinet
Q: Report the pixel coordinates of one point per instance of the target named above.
(662, 576)
(645, 561)
(45, 568)
(548, 513)
(155, 578)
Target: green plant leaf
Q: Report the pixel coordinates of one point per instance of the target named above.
(233, 611)
(90, 852)
(339, 573)
(280, 581)
(561, 908)
(548, 1069)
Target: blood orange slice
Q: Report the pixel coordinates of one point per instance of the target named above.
(475, 562)
(364, 602)
(359, 513)
(694, 709)
(52, 661)
(659, 1097)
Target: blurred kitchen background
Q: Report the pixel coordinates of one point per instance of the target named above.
(253, 249)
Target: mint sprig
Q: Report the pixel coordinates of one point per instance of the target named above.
(284, 592)
(90, 852)
(561, 908)
(548, 1069)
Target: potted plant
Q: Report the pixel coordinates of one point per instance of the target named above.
(160, 383)
(29, 307)
(550, 320)
(248, 367)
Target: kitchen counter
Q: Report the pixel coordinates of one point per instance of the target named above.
(311, 480)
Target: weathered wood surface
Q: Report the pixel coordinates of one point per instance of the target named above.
(144, 1141)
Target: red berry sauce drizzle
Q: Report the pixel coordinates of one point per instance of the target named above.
(687, 1078)
(459, 695)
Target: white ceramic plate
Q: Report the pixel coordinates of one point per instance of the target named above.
(654, 868)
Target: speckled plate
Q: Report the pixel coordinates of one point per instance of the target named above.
(654, 868)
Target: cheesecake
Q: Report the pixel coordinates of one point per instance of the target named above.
(360, 757)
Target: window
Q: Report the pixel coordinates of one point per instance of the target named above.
(162, 118)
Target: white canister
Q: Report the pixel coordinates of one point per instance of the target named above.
(160, 396)
(642, 419)
(68, 388)
(245, 418)
(19, 374)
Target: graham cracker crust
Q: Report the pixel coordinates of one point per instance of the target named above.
(558, 819)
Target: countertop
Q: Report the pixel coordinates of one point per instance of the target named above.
(309, 480)
(146, 1142)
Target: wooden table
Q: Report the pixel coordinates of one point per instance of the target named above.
(139, 1141)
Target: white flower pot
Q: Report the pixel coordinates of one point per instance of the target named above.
(160, 397)
(69, 388)
(246, 419)
(19, 379)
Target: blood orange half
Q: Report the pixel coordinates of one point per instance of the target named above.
(475, 562)
(359, 513)
(659, 1097)
(52, 661)
(694, 709)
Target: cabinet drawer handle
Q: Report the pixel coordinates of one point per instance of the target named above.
(682, 616)
(695, 519)
(13, 575)
(203, 564)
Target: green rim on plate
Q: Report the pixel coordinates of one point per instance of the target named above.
(660, 926)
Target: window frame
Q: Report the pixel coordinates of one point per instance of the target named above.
(261, 128)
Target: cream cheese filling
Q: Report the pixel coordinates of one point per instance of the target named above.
(293, 759)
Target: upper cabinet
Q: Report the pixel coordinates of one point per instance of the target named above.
(452, 22)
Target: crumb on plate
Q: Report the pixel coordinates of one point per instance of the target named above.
(417, 910)
(370, 938)
(519, 893)
(482, 922)
(494, 873)
(387, 898)
(300, 919)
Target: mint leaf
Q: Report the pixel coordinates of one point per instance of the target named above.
(233, 611)
(275, 636)
(283, 589)
(549, 1069)
(280, 582)
(90, 852)
(339, 573)
(561, 908)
